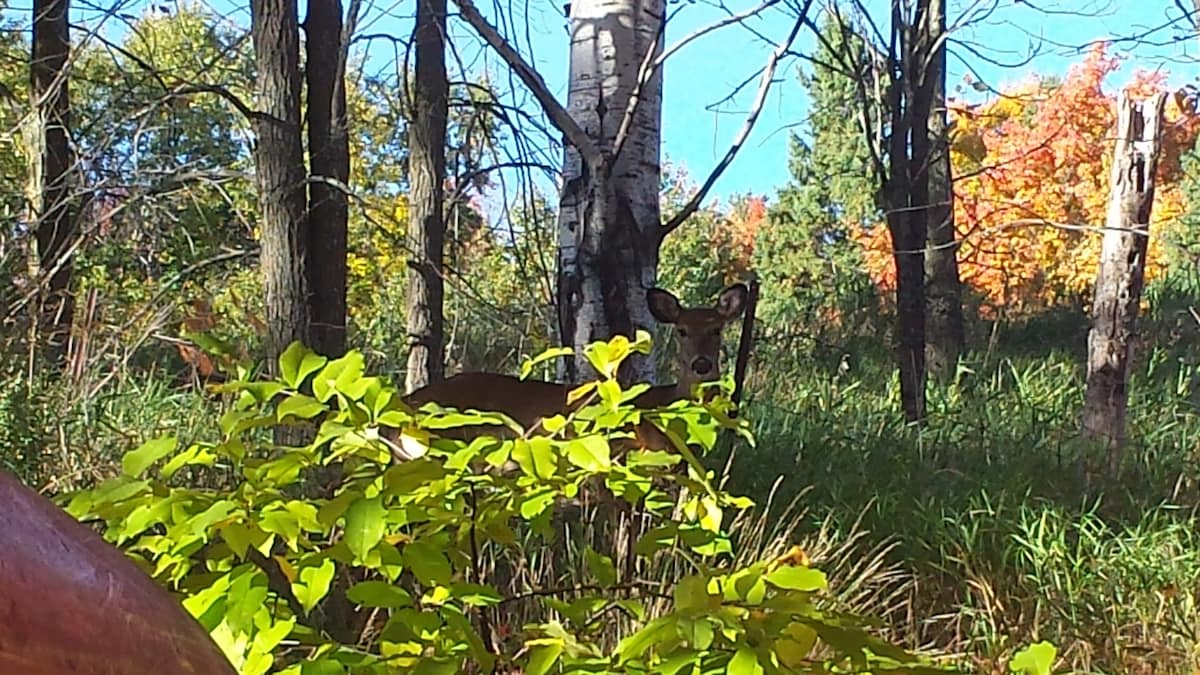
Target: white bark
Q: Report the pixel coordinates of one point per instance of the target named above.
(609, 224)
(1121, 275)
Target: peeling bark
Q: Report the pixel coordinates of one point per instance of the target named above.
(1121, 273)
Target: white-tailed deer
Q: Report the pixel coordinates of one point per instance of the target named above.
(528, 402)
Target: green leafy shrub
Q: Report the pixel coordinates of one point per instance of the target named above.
(384, 569)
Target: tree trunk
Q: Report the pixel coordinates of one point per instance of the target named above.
(609, 224)
(906, 195)
(279, 167)
(945, 335)
(52, 200)
(1122, 268)
(427, 172)
(329, 161)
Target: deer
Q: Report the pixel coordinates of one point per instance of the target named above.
(529, 402)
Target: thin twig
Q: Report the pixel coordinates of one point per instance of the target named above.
(764, 87)
(537, 86)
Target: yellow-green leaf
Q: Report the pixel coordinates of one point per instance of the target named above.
(135, 462)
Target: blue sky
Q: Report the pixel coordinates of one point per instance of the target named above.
(698, 128)
(1001, 47)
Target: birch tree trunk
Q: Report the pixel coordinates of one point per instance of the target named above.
(1121, 274)
(945, 335)
(427, 172)
(609, 224)
(52, 163)
(329, 161)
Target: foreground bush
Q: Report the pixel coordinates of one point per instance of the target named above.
(389, 568)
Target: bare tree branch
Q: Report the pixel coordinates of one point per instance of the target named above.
(651, 65)
(532, 79)
(760, 100)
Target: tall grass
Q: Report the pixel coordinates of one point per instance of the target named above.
(995, 506)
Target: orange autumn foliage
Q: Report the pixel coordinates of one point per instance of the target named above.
(739, 232)
(1031, 188)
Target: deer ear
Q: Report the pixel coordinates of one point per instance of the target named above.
(663, 305)
(732, 301)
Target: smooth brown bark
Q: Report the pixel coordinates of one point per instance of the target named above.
(52, 208)
(329, 168)
(427, 171)
(1121, 275)
(280, 172)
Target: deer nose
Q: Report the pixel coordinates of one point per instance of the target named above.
(702, 365)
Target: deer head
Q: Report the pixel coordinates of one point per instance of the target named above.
(698, 331)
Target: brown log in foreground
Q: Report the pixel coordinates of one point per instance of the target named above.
(72, 603)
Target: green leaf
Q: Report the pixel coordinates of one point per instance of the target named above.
(314, 583)
(536, 503)
(428, 563)
(366, 521)
(323, 666)
(535, 456)
(543, 657)
(379, 594)
(220, 510)
(476, 594)
(240, 538)
(528, 365)
(699, 634)
(1036, 659)
(590, 453)
(292, 360)
(691, 592)
(744, 662)
(300, 406)
(284, 523)
(601, 567)
(635, 645)
(798, 579)
(333, 509)
(197, 454)
(135, 462)
(428, 666)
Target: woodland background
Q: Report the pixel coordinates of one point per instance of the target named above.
(986, 525)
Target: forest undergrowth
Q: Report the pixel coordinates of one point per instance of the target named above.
(988, 528)
(1001, 521)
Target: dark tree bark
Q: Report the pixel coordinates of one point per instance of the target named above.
(896, 90)
(427, 171)
(329, 162)
(906, 222)
(946, 336)
(1121, 275)
(52, 209)
(279, 166)
(906, 195)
